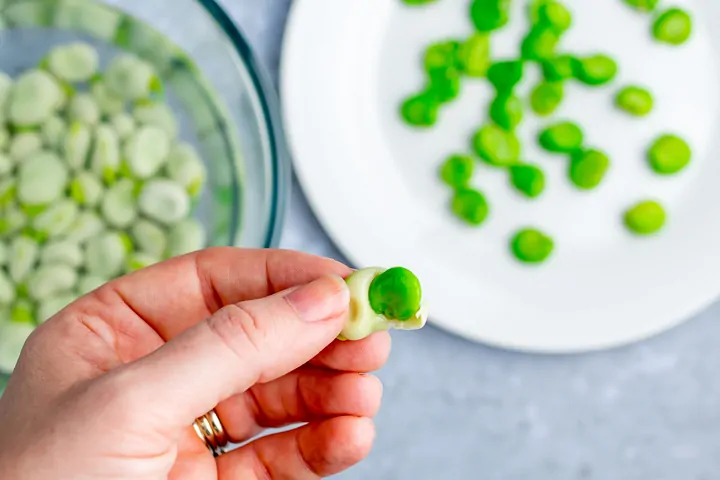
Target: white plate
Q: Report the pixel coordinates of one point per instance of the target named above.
(373, 182)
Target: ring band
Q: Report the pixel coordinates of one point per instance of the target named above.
(211, 431)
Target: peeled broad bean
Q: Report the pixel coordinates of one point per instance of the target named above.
(24, 145)
(50, 306)
(24, 253)
(158, 115)
(74, 62)
(184, 237)
(146, 151)
(83, 108)
(86, 226)
(57, 219)
(108, 102)
(13, 219)
(124, 125)
(64, 252)
(49, 280)
(149, 238)
(35, 97)
(88, 283)
(76, 145)
(119, 207)
(86, 189)
(6, 164)
(185, 167)
(42, 179)
(105, 255)
(7, 290)
(105, 161)
(129, 77)
(165, 201)
(53, 132)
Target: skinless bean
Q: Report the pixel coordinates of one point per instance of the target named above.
(57, 219)
(489, 15)
(559, 68)
(129, 77)
(8, 189)
(74, 62)
(105, 255)
(49, 280)
(634, 100)
(185, 237)
(506, 111)
(185, 167)
(158, 115)
(12, 221)
(63, 252)
(42, 179)
(86, 189)
(24, 145)
(146, 151)
(164, 201)
(596, 70)
(24, 253)
(505, 75)
(83, 108)
(53, 132)
(474, 55)
(76, 145)
(86, 226)
(150, 238)
(34, 98)
(118, 206)
(105, 157)
(124, 125)
(562, 137)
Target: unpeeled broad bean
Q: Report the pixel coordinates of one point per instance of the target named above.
(119, 207)
(56, 219)
(74, 62)
(185, 167)
(184, 237)
(49, 280)
(42, 179)
(105, 255)
(24, 253)
(164, 201)
(86, 189)
(62, 252)
(146, 151)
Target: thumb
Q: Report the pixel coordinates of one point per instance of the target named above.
(240, 345)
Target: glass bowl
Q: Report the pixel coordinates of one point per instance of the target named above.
(223, 100)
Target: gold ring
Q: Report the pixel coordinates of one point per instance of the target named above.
(211, 431)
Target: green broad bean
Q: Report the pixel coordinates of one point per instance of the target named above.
(42, 179)
(139, 260)
(83, 108)
(674, 27)
(185, 167)
(105, 255)
(442, 56)
(119, 206)
(50, 280)
(489, 15)
(420, 110)
(13, 336)
(63, 252)
(86, 226)
(8, 189)
(470, 206)
(457, 170)
(643, 5)
(53, 132)
(596, 70)
(185, 237)
(645, 218)
(528, 180)
(506, 111)
(532, 246)
(669, 154)
(474, 55)
(149, 238)
(3, 253)
(76, 145)
(35, 97)
(554, 15)
(540, 44)
(86, 189)
(24, 252)
(108, 103)
(363, 321)
(164, 201)
(105, 155)
(146, 151)
(74, 62)
(546, 97)
(445, 85)
(90, 283)
(51, 306)
(12, 221)
(124, 125)
(496, 146)
(7, 290)
(129, 77)
(6, 164)
(396, 293)
(635, 100)
(24, 145)
(505, 75)
(558, 69)
(56, 219)
(157, 114)
(562, 137)
(23, 312)
(588, 168)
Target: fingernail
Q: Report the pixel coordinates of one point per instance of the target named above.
(320, 300)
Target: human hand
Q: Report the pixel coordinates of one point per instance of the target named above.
(110, 386)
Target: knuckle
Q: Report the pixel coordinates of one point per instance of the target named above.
(239, 329)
